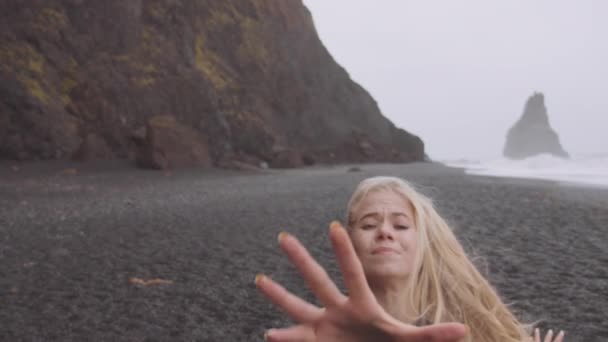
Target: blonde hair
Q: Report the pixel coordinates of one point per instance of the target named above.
(445, 286)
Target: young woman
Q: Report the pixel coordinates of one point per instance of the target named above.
(408, 278)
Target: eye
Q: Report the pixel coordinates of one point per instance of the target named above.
(401, 227)
(368, 226)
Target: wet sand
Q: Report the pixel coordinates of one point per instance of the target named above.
(73, 238)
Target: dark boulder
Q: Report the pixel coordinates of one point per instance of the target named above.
(170, 145)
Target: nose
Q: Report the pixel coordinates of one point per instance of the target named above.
(385, 232)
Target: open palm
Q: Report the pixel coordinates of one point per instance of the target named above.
(356, 317)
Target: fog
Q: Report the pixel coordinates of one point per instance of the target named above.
(459, 73)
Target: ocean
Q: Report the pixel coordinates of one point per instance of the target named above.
(580, 169)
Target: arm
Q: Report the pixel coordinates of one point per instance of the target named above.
(357, 317)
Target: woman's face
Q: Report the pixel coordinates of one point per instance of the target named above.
(384, 235)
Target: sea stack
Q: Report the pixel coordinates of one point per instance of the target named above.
(532, 134)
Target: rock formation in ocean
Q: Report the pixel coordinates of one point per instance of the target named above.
(532, 133)
(249, 80)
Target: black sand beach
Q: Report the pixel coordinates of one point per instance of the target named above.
(72, 242)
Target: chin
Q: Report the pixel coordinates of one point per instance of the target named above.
(387, 271)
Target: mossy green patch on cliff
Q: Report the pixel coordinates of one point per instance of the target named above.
(28, 67)
(19, 57)
(148, 45)
(209, 63)
(162, 121)
(52, 17)
(141, 66)
(35, 65)
(49, 21)
(68, 82)
(218, 19)
(121, 58)
(224, 14)
(143, 81)
(34, 87)
(142, 61)
(146, 71)
(147, 68)
(157, 10)
(252, 46)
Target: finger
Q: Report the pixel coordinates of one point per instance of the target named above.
(536, 335)
(297, 308)
(549, 336)
(560, 337)
(315, 275)
(350, 265)
(298, 333)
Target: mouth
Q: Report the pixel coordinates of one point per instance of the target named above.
(384, 250)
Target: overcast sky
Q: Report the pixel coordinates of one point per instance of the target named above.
(458, 73)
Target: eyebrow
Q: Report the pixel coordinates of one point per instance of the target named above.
(375, 215)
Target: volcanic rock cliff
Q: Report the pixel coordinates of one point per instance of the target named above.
(239, 80)
(532, 134)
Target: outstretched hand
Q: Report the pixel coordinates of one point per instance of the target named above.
(549, 336)
(357, 317)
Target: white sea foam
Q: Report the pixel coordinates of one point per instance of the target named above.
(581, 169)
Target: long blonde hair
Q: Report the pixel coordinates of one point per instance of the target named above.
(445, 286)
